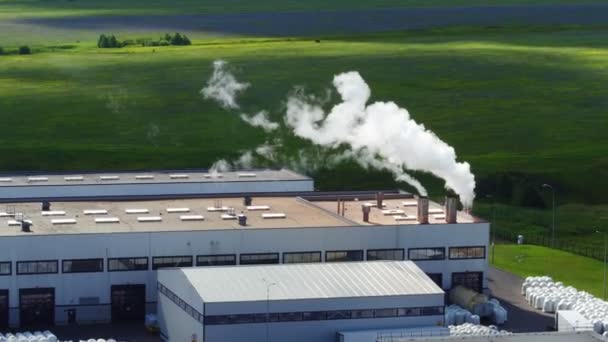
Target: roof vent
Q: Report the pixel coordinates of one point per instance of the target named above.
(192, 217)
(149, 219)
(247, 200)
(95, 212)
(392, 212)
(37, 179)
(53, 213)
(273, 216)
(179, 176)
(258, 207)
(107, 220)
(242, 219)
(412, 203)
(73, 178)
(108, 178)
(228, 217)
(5, 179)
(46, 206)
(18, 222)
(142, 177)
(63, 221)
(137, 211)
(178, 210)
(247, 175)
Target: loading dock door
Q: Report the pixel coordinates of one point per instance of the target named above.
(37, 307)
(3, 309)
(472, 280)
(128, 303)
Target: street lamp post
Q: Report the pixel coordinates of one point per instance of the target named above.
(549, 186)
(605, 255)
(268, 286)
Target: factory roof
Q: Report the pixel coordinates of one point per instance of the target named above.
(588, 336)
(210, 213)
(143, 177)
(309, 281)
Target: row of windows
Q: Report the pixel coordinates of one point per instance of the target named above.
(323, 315)
(181, 303)
(141, 263)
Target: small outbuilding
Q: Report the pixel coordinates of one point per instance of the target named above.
(294, 302)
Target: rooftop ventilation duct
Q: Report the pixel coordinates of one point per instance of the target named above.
(26, 226)
(451, 209)
(423, 210)
(242, 220)
(247, 201)
(46, 206)
(366, 209)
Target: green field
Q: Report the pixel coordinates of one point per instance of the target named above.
(525, 260)
(524, 105)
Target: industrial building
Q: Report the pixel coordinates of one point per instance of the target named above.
(303, 302)
(93, 255)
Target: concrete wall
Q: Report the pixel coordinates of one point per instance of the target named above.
(187, 188)
(70, 287)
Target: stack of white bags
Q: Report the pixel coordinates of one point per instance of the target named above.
(469, 329)
(456, 315)
(544, 294)
(98, 340)
(27, 336)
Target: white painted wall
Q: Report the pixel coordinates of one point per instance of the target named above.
(70, 287)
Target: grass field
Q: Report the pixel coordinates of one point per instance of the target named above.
(524, 105)
(525, 260)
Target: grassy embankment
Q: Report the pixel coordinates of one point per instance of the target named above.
(525, 260)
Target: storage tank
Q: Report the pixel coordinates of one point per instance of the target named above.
(475, 302)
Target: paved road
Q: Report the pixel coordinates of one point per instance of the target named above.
(506, 287)
(338, 22)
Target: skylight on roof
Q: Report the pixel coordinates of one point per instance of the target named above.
(258, 207)
(214, 175)
(149, 219)
(439, 217)
(63, 221)
(3, 214)
(247, 175)
(107, 220)
(136, 211)
(37, 179)
(410, 203)
(106, 178)
(392, 212)
(53, 213)
(217, 208)
(139, 177)
(228, 217)
(192, 217)
(179, 176)
(73, 178)
(435, 211)
(95, 212)
(274, 216)
(18, 223)
(5, 179)
(405, 218)
(178, 210)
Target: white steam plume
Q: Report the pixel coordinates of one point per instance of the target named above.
(380, 131)
(260, 120)
(223, 87)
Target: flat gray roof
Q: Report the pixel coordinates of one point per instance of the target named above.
(309, 281)
(143, 177)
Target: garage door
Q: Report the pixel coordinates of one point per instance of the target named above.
(128, 302)
(472, 280)
(37, 307)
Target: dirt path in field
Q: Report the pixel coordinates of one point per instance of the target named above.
(338, 22)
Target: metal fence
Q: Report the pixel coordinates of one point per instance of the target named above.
(545, 240)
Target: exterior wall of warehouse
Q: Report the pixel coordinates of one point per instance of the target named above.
(8, 193)
(70, 287)
(175, 323)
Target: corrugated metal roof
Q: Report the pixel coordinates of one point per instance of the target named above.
(309, 281)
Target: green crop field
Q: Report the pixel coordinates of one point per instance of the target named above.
(525, 260)
(523, 104)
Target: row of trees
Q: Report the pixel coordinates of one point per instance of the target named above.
(23, 50)
(110, 41)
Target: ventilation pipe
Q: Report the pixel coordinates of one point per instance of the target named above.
(25, 226)
(379, 199)
(247, 200)
(366, 210)
(423, 210)
(46, 206)
(451, 209)
(242, 219)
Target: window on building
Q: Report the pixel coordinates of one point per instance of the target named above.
(216, 260)
(171, 261)
(437, 278)
(409, 312)
(432, 311)
(301, 257)
(314, 316)
(385, 254)
(259, 258)
(290, 316)
(362, 314)
(340, 314)
(37, 267)
(5, 268)
(81, 265)
(354, 255)
(475, 252)
(380, 313)
(437, 253)
(128, 264)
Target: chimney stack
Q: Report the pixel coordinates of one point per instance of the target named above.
(423, 210)
(379, 199)
(366, 209)
(451, 209)
(242, 219)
